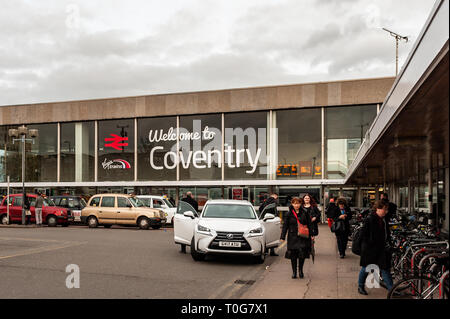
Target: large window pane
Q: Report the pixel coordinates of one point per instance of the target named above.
(345, 130)
(200, 147)
(41, 157)
(245, 148)
(299, 144)
(77, 151)
(116, 150)
(156, 139)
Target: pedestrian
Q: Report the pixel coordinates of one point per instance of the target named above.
(26, 206)
(273, 199)
(38, 208)
(310, 205)
(342, 215)
(299, 245)
(330, 211)
(392, 208)
(172, 201)
(375, 248)
(191, 201)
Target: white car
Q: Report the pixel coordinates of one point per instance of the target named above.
(226, 227)
(162, 203)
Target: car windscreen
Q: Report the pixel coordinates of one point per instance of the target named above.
(147, 201)
(228, 211)
(48, 202)
(137, 202)
(83, 203)
(168, 203)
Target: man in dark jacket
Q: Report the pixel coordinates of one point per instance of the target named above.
(342, 214)
(271, 200)
(392, 208)
(331, 211)
(191, 201)
(375, 245)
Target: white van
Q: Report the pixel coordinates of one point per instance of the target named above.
(162, 203)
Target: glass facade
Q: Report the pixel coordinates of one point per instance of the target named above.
(156, 139)
(299, 144)
(194, 147)
(77, 149)
(245, 147)
(200, 146)
(345, 130)
(116, 150)
(42, 155)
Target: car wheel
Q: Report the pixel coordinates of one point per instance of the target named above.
(5, 220)
(52, 221)
(195, 255)
(143, 223)
(92, 222)
(107, 226)
(260, 258)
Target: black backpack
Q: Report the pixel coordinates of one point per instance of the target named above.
(357, 240)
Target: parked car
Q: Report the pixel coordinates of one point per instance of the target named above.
(74, 203)
(120, 209)
(226, 227)
(52, 215)
(160, 202)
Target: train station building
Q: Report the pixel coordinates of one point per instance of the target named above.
(351, 138)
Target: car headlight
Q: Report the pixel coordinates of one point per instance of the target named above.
(203, 230)
(256, 232)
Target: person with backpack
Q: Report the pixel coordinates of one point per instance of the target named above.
(341, 225)
(374, 244)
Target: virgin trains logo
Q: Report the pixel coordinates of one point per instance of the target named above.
(116, 142)
(116, 164)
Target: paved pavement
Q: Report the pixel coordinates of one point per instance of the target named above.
(329, 276)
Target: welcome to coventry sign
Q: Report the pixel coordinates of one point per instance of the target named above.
(241, 147)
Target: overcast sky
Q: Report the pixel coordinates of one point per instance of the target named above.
(58, 50)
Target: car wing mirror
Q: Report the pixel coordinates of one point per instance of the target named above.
(189, 214)
(268, 216)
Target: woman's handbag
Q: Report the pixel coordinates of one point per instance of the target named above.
(338, 227)
(288, 254)
(27, 212)
(303, 230)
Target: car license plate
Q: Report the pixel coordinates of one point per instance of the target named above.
(229, 244)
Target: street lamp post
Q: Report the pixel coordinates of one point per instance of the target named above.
(22, 132)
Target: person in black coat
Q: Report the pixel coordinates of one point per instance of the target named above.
(298, 248)
(309, 205)
(188, 199)
(392, 208)
(375, 248)
(331, 211)
(343, 215)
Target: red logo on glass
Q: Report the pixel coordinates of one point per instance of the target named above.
(116, 142)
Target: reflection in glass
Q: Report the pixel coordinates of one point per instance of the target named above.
(299, 144)
(345, 130)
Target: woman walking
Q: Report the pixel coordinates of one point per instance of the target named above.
(375, 248)
(310, 206)
(298, 226)
(342, 215)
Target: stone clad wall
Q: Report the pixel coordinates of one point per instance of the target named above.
(366, 91)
